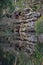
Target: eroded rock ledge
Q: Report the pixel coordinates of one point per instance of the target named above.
(19, 34)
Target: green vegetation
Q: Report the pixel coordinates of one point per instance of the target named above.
(20, 4)
(40, 47)
(7, 58)
(39, 30)
(4, 4)
(36, 6)
(35, 59)
(39, 25)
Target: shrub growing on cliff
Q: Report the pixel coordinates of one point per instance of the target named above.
(39, 25)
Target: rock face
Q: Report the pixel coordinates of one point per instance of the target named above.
(19, 34)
